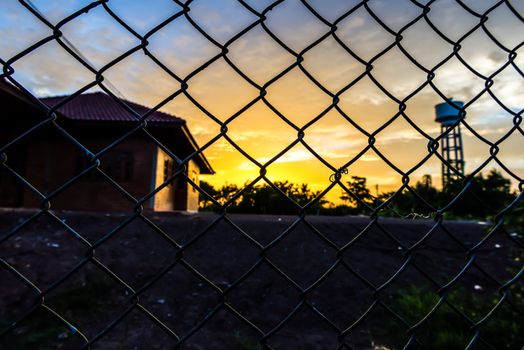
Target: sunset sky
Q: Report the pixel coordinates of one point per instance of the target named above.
(51, 71)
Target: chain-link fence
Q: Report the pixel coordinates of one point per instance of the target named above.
(138, 279)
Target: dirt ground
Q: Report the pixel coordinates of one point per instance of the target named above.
(181, 297)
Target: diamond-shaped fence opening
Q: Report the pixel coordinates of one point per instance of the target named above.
(304, 132)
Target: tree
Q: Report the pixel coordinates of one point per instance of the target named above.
(496, 190)
(226, 192)
(204, 201)
(266, 199)
(425, 190)
(358, 192)
(221, 195)
(485, 196)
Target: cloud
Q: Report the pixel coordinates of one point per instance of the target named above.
(50, 70)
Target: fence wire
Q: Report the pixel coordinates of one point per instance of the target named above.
(182, 10)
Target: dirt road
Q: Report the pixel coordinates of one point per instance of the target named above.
(215, 257)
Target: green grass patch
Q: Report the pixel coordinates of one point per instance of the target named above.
(79, 305)
(446, 328)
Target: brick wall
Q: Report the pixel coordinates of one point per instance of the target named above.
(52, 160)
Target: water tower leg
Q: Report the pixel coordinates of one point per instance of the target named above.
(452, 153)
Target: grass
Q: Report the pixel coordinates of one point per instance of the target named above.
(446, 329)
(43, 331)
(246, 343)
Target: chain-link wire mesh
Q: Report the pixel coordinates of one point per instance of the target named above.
(303, 306)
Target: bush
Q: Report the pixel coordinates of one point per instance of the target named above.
(446, 328)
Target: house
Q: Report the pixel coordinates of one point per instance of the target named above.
(47, 158)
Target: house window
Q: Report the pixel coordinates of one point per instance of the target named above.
(117, 165)
(121, 166)
(169, 170)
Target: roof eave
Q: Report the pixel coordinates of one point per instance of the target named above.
(207, 169)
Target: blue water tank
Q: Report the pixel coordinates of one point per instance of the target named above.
(447, 113)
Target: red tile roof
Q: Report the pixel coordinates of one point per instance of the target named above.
(99, 106)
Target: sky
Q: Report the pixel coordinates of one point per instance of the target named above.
(50, 70)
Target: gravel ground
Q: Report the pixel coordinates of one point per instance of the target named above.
(90, 299)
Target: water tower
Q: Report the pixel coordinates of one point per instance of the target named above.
(451, 143)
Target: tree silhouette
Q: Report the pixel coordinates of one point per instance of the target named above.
(283, 197)
(358, 192)
(484, 197)
(210, 190)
